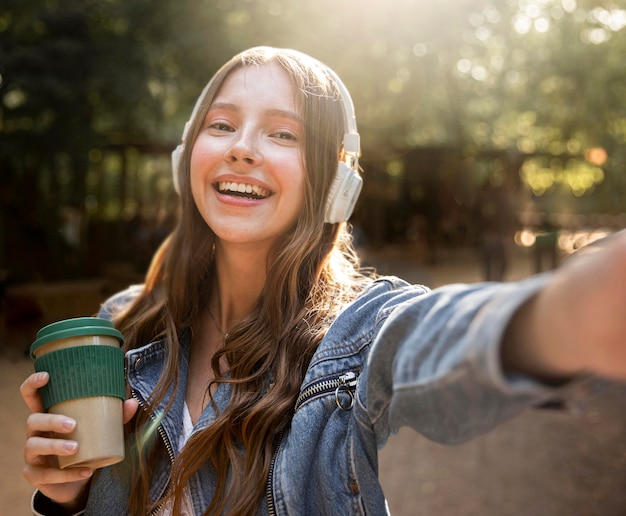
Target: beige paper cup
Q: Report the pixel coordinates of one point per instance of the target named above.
(86, 367)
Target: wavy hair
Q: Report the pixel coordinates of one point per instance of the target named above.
(312, 273)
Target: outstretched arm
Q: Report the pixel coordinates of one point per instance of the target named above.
(457, 361)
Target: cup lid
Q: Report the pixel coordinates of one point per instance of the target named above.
(79, 326)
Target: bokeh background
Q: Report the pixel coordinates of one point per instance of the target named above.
(493, 140)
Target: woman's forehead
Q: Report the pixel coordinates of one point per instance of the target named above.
(268, 85)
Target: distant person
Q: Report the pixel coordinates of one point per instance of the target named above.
(264, 370)
(494, 221)
(545, 249)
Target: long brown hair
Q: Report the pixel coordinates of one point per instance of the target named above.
(312, 273)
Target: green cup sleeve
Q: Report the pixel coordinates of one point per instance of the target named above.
(82, 371)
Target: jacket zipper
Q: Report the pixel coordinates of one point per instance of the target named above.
(269, 488)
(166, 442)
(344, 383)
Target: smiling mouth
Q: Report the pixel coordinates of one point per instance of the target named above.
(242, 190)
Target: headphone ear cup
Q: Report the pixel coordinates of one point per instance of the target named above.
(175, 165)
(343, 194)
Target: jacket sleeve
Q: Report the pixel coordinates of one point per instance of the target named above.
(118, 302)
(43, 506)
(435, 364)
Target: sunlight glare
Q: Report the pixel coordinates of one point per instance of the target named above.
(596, 36)
(525, 238)
(542, 25)
(522, 24)
(557, 12)
(532, 11)
(483, 33)
(464, 66)
(569, 5)
(614, 20)
(420, 49)
(479, 73)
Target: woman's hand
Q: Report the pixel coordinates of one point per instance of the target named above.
(67, 487)
(577, 323)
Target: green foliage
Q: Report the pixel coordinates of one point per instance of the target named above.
(94, 95)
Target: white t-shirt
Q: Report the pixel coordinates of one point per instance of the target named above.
(187, 428)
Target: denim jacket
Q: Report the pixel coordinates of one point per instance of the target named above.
(398, 355)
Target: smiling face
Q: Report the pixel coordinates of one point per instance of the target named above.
(247, 172)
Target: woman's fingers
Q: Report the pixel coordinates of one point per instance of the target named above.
(46, 441)
(42, 475)
(62, 485)
(30, 390)
(43, 447)
(39, 422)
(38, 448)
(130, 409)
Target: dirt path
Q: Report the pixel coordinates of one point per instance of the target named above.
(543, 463)
(15, 493)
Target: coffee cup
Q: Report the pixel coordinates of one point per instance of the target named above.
(85, 362)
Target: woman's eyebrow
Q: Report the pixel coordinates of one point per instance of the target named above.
(283, 113)
(271, 112)
(224, 105)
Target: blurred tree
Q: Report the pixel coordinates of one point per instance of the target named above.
(46, 66)
(95, 93)
(76, 77)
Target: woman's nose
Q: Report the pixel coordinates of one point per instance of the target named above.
(244, 150)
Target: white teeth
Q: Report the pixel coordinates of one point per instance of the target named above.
(226, 186)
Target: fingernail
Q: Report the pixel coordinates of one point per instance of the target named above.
(68, 424)
(85, 473)
(42, 376)
(70, 446)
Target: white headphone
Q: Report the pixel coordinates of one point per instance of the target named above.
(347, 183)
(346, 186)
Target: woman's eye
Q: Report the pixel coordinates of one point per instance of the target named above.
(283, 135)
(221, 126)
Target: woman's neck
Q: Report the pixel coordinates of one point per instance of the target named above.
(239, 279)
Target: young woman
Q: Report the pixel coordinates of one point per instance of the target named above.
(267, 368)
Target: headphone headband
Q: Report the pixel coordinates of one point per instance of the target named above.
(347, 183)
(351, 138)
